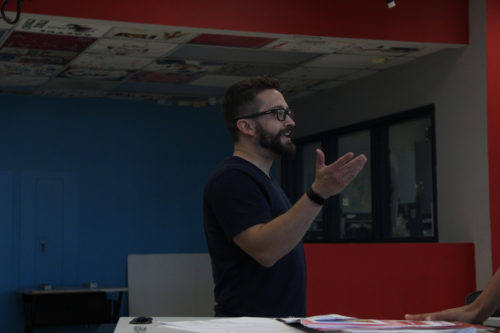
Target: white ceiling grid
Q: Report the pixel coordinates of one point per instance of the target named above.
(86, 58)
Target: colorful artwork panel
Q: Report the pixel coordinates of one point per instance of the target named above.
(183, 66)
(309, 44)
(171, 35)
(30, 40)
(231, 40)
(21, 81)
(14, 68)
(62, 28)
(165, 77)
(133, 48)
(107, 61)
(83, 73)
(36, 56)
(247, 69)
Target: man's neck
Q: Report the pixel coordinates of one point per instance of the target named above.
(259, 160)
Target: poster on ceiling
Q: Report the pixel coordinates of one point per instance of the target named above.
(62, 28)
(29, 40)
(109, 61)
(95, 73)
(132, 48)
(36, 56)
(307, 45)
(188, 67)
(165, 77)
(14, 68)
(171, 35)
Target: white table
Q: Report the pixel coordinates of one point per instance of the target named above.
(124, 326)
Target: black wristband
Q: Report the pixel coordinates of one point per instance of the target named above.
(315, 197)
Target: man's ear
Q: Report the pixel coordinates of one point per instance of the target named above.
(247, 127)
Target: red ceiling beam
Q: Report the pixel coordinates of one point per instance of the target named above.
(443, 21)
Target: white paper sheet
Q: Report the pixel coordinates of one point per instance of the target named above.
(233, 325)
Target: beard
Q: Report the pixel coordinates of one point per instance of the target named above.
(273, 142)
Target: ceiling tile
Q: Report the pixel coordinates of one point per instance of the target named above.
(171, 89)
(249, 69)
(31, 40)
(217, 80)
(292, 85)
(183, 66)
(69, 92)
(327, 85)
(299, 94)
(84, 84)
(387, 62)
(316, 73)
(4, 25)
(358, 75)
(109, 61)
(36, 56)
(132, 48)
(167, 34)
(22, 81)
(341, 61)
(231, 40)
(27, 69)
(66, 28)
(307, 44)
(135, 96)
(165, 77)
(84, 73)
(391, 48)
(239, 55)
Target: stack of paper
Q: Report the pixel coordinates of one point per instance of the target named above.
(348, 324)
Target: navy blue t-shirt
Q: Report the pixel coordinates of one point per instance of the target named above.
(237, 196)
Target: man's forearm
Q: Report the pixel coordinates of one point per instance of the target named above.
(269, 242)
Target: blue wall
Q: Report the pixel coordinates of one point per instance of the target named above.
(140, 169)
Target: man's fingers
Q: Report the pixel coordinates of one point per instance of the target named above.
(343, 160)
(320, 159)
(352, 169)
(349, 167)
(422, 316)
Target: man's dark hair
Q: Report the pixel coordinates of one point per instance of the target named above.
(239, 98)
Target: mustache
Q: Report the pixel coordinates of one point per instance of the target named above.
(286, 130)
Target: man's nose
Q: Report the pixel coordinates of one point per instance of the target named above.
(289, 121)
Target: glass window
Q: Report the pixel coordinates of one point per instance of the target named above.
(411, 185)
(393, 197)
(307, 156)
(355, 201)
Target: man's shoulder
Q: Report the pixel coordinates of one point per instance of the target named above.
(233, 166)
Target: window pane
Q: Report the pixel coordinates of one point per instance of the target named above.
(411, 189)
(355, 200)
(307, 154)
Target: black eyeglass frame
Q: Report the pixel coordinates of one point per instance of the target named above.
(286, 112)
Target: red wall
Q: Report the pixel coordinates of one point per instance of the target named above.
(444, 21)
(385, 281)
(493, 103)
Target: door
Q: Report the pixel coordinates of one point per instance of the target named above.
(48, 214)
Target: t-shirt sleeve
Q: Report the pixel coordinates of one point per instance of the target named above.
(238, 202)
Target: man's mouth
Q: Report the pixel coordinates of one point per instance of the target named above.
(287, 134)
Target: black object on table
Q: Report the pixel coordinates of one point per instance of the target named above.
(77, 306)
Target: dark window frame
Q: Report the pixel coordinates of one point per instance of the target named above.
(379, 141)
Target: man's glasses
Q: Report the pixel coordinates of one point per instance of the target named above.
(281, 114)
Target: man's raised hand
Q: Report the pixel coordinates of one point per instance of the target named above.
(331, 179)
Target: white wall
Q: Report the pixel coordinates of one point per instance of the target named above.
(454, 81)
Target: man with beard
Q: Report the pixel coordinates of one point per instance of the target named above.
(254, 234)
